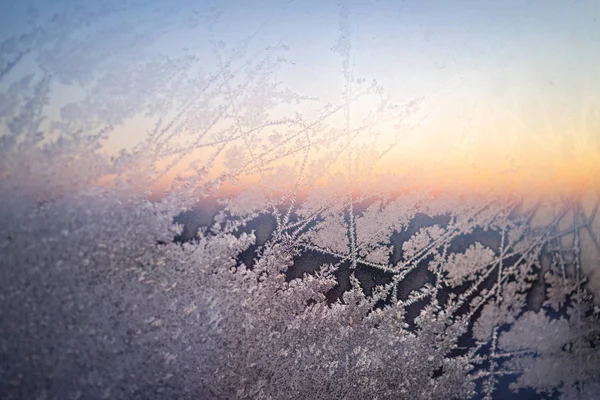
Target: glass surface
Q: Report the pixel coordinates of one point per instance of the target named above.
(299, 199)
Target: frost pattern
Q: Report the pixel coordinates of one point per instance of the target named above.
(337, 293)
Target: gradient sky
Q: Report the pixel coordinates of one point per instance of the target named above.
(512, 82)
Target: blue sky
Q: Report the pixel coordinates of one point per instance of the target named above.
(514, 76)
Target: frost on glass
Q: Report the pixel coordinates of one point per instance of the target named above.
(312, 281)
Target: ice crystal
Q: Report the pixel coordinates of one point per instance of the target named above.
(292, 289)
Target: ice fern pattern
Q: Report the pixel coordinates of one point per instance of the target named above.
(307, 283)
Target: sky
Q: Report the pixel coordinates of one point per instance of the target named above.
(508, 85)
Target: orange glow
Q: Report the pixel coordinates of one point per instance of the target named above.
(489, 149)
(537, 175)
